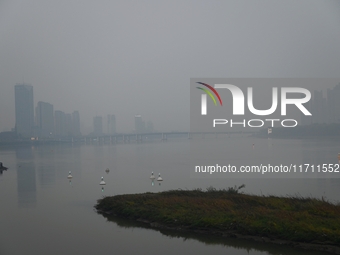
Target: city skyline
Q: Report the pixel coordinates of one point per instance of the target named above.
(325, 109)
(127, 61)
(24, 110)
(49, 123)
(45, 122)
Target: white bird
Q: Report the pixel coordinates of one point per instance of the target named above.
(102, 182)
(107, 170)
(69, 175)
(160, 179)
(152, 177)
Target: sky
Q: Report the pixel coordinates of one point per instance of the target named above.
(137, 57)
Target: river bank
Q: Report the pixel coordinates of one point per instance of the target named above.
(301, 222)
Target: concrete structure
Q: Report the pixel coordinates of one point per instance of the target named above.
(76, 124)
(139, 124)
(60, 124)
(24, 110)
(44, 120)
(111, 124)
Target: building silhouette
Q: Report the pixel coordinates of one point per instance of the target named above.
(139, 124)
(111, 124)
(67, 124)
(60, 124)
(44, 120)
(325, 110)
(24, 110)
(333, 105)
(76, 124)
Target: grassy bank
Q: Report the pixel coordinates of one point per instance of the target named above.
(227, 211)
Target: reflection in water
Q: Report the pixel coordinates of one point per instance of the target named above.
(46, 167)
(69, 177)
(46, 171)
(159, 179)
(152, 177)
(26, 177)
(208, 239)
(102, 183)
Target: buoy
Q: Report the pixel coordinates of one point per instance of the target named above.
(102, 182)
(152, 177)
(107, 170)
(69, 175)
(160, 179)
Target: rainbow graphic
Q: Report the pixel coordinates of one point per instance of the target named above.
(209, 93)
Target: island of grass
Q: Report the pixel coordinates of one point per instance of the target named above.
(303, 222)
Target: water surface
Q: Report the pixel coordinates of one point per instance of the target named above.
(42, 212)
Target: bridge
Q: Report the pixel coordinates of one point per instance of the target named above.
(163, 136)
(125, 137)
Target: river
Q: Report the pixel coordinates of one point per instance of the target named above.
(43, 212)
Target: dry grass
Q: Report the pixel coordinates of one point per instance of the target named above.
(290, 218)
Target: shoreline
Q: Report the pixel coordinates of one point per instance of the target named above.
(169, 210)
(331, 249)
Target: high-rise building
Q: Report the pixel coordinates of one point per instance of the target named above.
(68, 125)
(44, 119)
(334, 104)
(60, 124)
(319, 108)
(24, 110)
(139, 124)
(98, 125)
(76, 124)
(111, 124)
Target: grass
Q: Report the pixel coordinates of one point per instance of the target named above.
(295, 219)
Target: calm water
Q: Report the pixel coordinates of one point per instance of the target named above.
(43, 213)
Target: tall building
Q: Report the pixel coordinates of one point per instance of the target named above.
(139, 124)
(319, 108)
(111, 124)
(98, 125)
(76, 124)
(44, 119)
(68, 125)
(333, 96)
(306, 119)
(60, 124)
(24, 110)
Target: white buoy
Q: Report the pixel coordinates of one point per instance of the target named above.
(107, 170)
(160, 179)
(152, 177)
(102, 182)
(69, 175)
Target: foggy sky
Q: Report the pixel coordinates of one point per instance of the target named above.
(137, 57)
